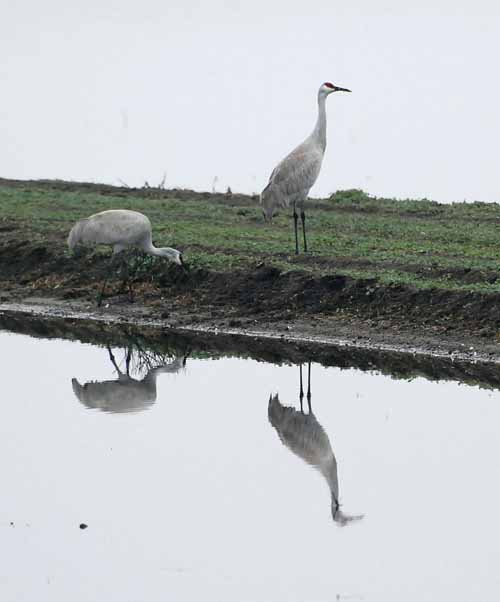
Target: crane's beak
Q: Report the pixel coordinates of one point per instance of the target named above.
(183, 264)
(339, 89)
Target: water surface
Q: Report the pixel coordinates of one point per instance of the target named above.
(193, 487)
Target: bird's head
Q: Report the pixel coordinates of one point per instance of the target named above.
(327, 88)
(268, 213)
(342, 519)
(173, 255)
(179, 260)
(268, 208)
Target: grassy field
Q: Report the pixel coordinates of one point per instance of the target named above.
(419, 243)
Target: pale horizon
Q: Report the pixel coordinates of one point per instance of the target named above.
(111, 92)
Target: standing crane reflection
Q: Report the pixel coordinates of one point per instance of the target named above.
(127, 394)
(303, 435)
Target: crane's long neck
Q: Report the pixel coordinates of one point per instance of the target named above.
(328, 469)
(319, 132)
(151, 249)
(160, 251)
(172, 367)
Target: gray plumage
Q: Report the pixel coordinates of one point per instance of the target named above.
(125, 394)
(306, 438)
(292, 179)
(122, 229)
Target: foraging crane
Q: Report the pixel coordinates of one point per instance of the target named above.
(295, 175)
(123, 229)
(126, 394)
(306, 438)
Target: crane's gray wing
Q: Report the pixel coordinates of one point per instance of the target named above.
(292, 178)
(115, 227)
(123, 395)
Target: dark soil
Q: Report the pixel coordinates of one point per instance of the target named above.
(263, 299)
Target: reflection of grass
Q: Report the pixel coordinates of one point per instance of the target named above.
(420, 243)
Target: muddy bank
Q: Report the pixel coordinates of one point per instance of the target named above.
(146, 333)
(262, 296)
(307, 296)
(264, 299)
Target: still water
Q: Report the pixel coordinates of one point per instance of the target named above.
(194, 486)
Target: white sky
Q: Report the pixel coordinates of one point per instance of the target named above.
(104, 90)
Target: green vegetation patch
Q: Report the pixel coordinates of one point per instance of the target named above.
(420, 243)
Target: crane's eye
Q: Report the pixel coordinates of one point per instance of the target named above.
(329, 85)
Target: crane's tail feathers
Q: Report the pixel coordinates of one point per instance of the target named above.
(77, 387)
(74, 235)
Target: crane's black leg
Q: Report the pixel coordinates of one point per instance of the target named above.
(295, 220)
(112, 358)
(301, 394)
(130, 275)
(126, 273)
(309, 386)
(101, 294)
(139, 259)
(303, 218)
(186, 355)
(127, 359)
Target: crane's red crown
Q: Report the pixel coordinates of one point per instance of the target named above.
(329, 85)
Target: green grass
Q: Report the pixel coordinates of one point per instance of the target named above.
(420, 243)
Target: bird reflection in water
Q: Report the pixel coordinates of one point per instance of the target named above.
(127, 394)
(306, 438)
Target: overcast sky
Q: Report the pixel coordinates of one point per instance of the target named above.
(104, 90)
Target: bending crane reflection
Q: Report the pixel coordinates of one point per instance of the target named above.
(307, 439)
(127, 394)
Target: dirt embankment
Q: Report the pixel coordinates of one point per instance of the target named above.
(260, 298)
(186, 342)
(263, 298)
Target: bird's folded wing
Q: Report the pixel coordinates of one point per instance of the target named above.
(296, 174)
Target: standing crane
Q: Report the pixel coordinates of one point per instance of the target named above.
(122, 229)
(295, 175)
(307, 439)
